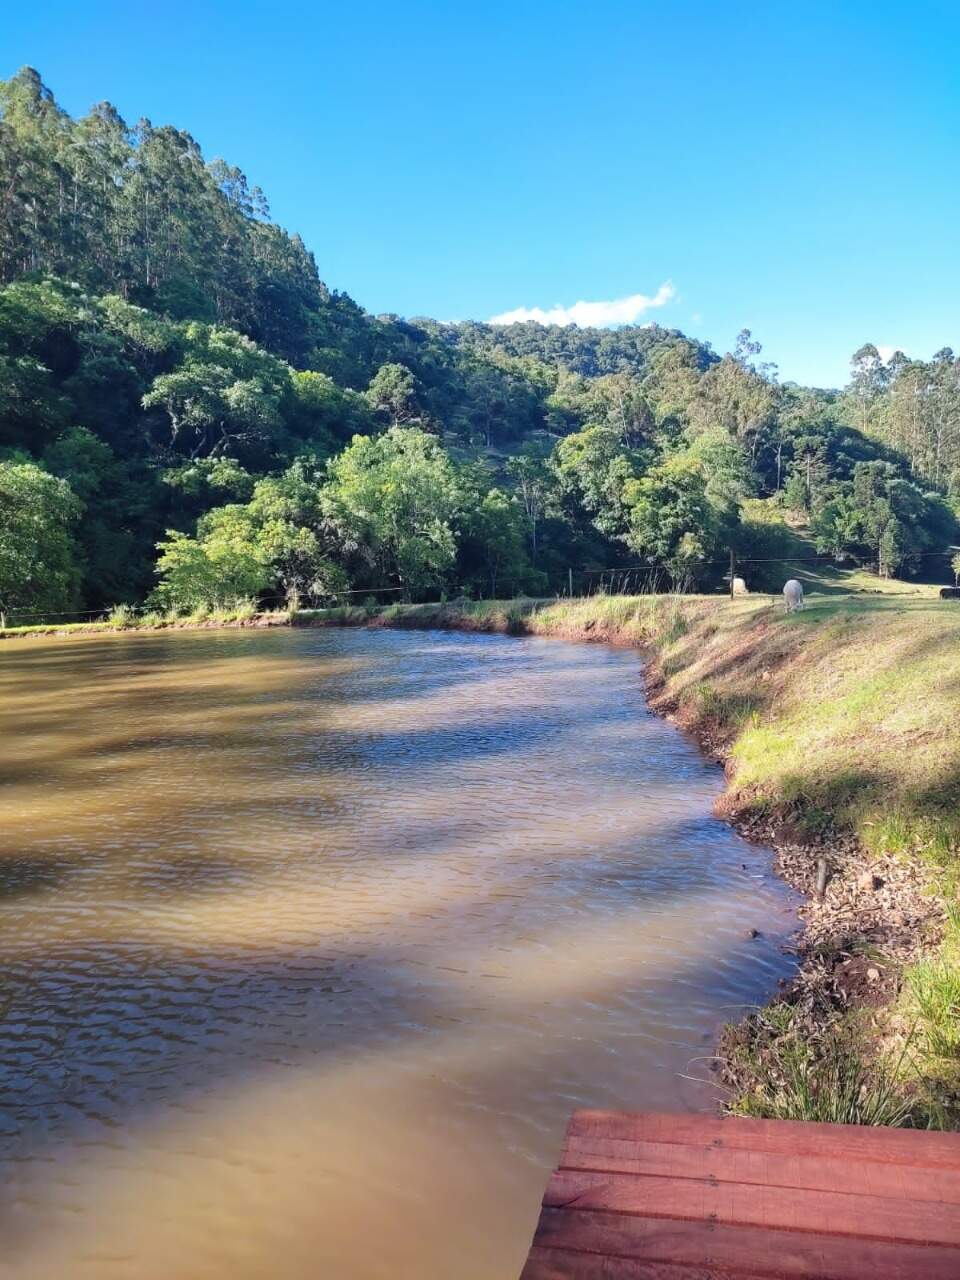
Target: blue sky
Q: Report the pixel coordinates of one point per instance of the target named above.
(790, 168)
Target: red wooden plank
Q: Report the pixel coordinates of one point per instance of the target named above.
(722, 1251)
(763, 1168)
(561, 1264)
(789, 1137)
(786, 1208)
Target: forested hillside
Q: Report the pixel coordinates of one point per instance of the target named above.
(188, 414)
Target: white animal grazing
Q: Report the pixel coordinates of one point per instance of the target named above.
(793, 595)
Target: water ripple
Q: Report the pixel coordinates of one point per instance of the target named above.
(308, 930)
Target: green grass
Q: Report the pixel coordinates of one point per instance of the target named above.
(934, 989)
(346, 615)
(848, 709)
(930, 1005)
(783, 1072)
(123, 617)
(55, 628)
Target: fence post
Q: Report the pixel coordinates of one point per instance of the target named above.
(733, 569)
(570, 581)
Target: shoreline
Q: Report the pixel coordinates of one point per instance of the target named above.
(871, 902)
(880, 912)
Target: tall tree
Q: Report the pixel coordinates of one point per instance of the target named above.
(393, 500)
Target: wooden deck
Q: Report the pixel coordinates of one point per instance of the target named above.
(689, 1197)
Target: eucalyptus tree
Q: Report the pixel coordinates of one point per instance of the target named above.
(868, 381)
(530, 473)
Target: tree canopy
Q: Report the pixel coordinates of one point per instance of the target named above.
(187, 410)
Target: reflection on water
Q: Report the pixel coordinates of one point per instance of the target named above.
(311, 940)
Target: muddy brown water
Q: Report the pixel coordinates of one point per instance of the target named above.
(310, 941)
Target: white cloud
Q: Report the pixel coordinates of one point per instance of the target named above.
(591, 314)
(886, 352)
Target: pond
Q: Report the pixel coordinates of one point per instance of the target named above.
(312, 939)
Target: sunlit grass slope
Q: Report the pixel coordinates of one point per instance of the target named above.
(844, 715)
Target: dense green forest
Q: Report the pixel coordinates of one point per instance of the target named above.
(189, 415)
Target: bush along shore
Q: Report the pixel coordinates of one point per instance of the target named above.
(837, 730)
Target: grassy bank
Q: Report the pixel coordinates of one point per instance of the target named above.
(125, 618)
(838, 726)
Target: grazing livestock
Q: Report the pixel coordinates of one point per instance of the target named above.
(740, 587)
(793, 595)
(950, 593)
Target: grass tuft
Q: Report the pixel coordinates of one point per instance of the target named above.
(122, 616)
(781, 1073)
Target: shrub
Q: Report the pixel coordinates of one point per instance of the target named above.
(122, 615)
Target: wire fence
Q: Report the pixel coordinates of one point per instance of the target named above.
(611, 580)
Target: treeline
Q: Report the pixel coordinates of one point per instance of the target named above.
(187, 413)
(914, 406)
